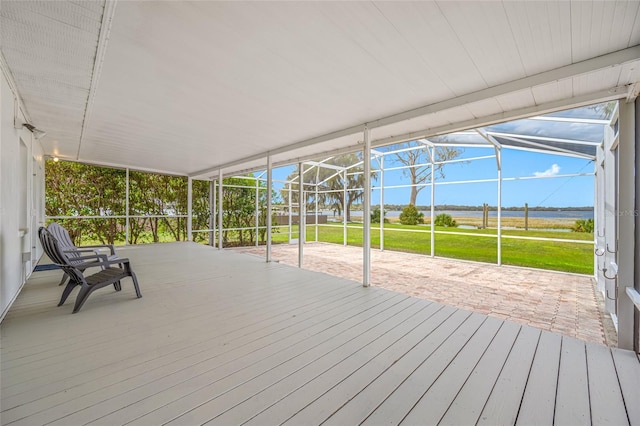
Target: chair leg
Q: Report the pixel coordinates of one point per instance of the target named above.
(83, 295)
(117, 286)
(135, 284)
(67, 291)
(64, 278)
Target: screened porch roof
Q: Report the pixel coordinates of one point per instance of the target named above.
(192, 87)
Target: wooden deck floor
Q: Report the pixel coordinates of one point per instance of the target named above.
(225, 338)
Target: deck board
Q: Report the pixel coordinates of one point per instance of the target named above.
(469, 402)
(322, 407)
(504, 401)
(216, 368)
(225, 338)
(572, 395)
(539, 398)
(628, 377)
(605, 396)
(435, 402)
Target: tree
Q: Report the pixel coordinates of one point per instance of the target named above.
(375, 215)
(75, 189)
(418, 162)
(583, 225)
(239, 205)
(605, 110)
(333, 182)
(445, 220)
(411, 216)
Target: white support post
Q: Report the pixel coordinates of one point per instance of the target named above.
(611, 191)
(189, 208)
(433, 202)
(366, 219)
(381, 202)
(344, 209)
(499, 213)
(127, 236)
(636, 274)
(626, 224)
(212, 212)
(301, 215)
(269, 201)
(220, 205)
(257, 210)
(290, 208)
(599, 219)
(317, 179)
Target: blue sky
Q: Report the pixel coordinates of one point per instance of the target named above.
(550, 192)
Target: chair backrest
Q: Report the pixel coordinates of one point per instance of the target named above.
(60, 234)
(45, 242)
(64, 240)
(56, 253)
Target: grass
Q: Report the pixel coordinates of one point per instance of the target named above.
(467, 244)
(479, 245)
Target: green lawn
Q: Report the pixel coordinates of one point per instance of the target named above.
(553, 255)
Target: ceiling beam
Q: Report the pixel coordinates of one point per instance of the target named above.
(101, 50)
(562, 104)
(302, 144)
(583, 67)
(6, 71)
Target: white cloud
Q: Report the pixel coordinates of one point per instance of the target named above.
(551, 171)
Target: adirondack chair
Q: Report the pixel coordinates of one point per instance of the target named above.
(114, 270)
(73, 252)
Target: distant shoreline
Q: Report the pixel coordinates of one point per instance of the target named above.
(448, 207)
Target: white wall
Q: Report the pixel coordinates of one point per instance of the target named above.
(17, 210)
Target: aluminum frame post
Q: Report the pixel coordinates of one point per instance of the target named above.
(381, 162)
(344, 209)
(189, 208)
(499, 213)
(366, 219)
(269, 207)
(626, 224)
(220, 205)
(127, 235)
(301, 216)
(317, 179)
(290, 208)
(611, 142)
(599, 219)
(433, 202)
(212, 210)
(257, 209)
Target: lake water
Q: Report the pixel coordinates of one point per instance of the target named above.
(568, 214)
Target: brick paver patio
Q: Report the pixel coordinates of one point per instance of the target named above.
(554, 301)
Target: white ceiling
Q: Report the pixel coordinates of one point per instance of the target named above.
(188, 87)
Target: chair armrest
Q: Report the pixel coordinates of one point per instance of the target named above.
(109, 246)
(117, 261)
(101, 260)
(98, 260)
(76, 250)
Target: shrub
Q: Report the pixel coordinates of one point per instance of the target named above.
(444, 219)
(411, 216)
(375, 216)
(583, 225)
